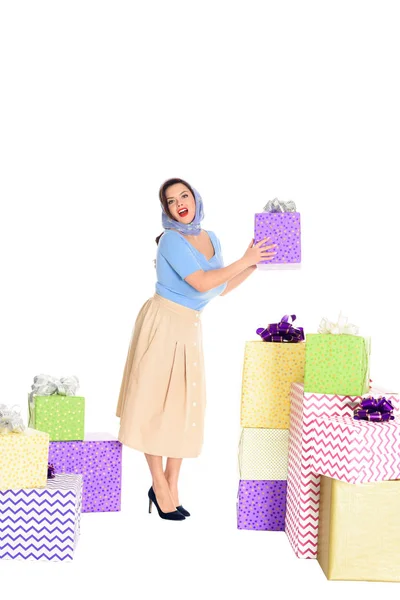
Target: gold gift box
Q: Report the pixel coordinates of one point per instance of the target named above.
(269, 369)
(359, 530)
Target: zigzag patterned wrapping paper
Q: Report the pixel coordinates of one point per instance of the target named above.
(42, 523)
(324, 439)
(263, 453)
(359, 530)
(337, 364)
(283, 229)
(62, 417)
(23, 459)
(99, 458)
(268, 371)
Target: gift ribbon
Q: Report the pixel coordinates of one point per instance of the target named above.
(342, 326)
(277, 205)
(282, 331)
(376, 410)
(50, 471)
(10, 419)
(46, 385)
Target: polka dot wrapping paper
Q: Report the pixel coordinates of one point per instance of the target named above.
(23, 459)
(263, 453)
(261, 505)
(283, 229)
(99, 459)
(337, 364)
(62, 417)
(269, 369)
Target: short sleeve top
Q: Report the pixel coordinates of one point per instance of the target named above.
(176, 259)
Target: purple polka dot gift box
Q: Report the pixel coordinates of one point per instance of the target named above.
(261, 505)
(281, 223)
(98, 457)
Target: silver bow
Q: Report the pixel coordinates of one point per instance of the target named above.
(46, 385)
(342, 326)
(10, 419)
(277, 205)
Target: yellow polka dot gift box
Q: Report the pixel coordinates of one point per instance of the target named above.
(337, 360)
(23, 459)
(268, 372)
(270, 366)
(55, 409)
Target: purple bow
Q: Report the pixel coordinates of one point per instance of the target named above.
(374, 410)
(50, 471)
(282, 331)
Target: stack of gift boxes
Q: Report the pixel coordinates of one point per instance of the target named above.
(344, 461)
(270, 366)
(268, 371)
(41, 514)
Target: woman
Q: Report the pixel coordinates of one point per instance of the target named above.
(162, 398)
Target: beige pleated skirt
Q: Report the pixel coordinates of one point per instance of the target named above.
(162, 399)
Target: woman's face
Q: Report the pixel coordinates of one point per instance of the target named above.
(181, 203)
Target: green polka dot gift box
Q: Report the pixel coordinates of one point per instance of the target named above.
(337, 363)
(55, 409)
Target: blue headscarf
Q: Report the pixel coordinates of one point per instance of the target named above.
(192, 228)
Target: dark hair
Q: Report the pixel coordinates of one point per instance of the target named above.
(163, 196)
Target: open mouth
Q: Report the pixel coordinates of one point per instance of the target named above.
(183, 212)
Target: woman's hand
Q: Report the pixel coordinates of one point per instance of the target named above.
(255, 253)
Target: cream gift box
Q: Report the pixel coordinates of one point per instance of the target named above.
(263, 453)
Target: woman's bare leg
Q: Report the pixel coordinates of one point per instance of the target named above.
(160, 484)
(172, 475)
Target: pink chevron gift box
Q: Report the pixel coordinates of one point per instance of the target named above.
(325, 439)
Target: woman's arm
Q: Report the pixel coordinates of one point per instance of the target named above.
(233, 283)
(203, 281)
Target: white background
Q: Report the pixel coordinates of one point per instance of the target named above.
(100, 103)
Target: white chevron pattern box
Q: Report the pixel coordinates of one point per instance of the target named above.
(263, 453)
(42, 523)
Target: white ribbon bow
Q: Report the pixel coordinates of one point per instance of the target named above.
(46, 385)
(342, 326)
(10, 419)
(277, 205)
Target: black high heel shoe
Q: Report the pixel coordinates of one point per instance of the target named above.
(182, 510)
(174, 515)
